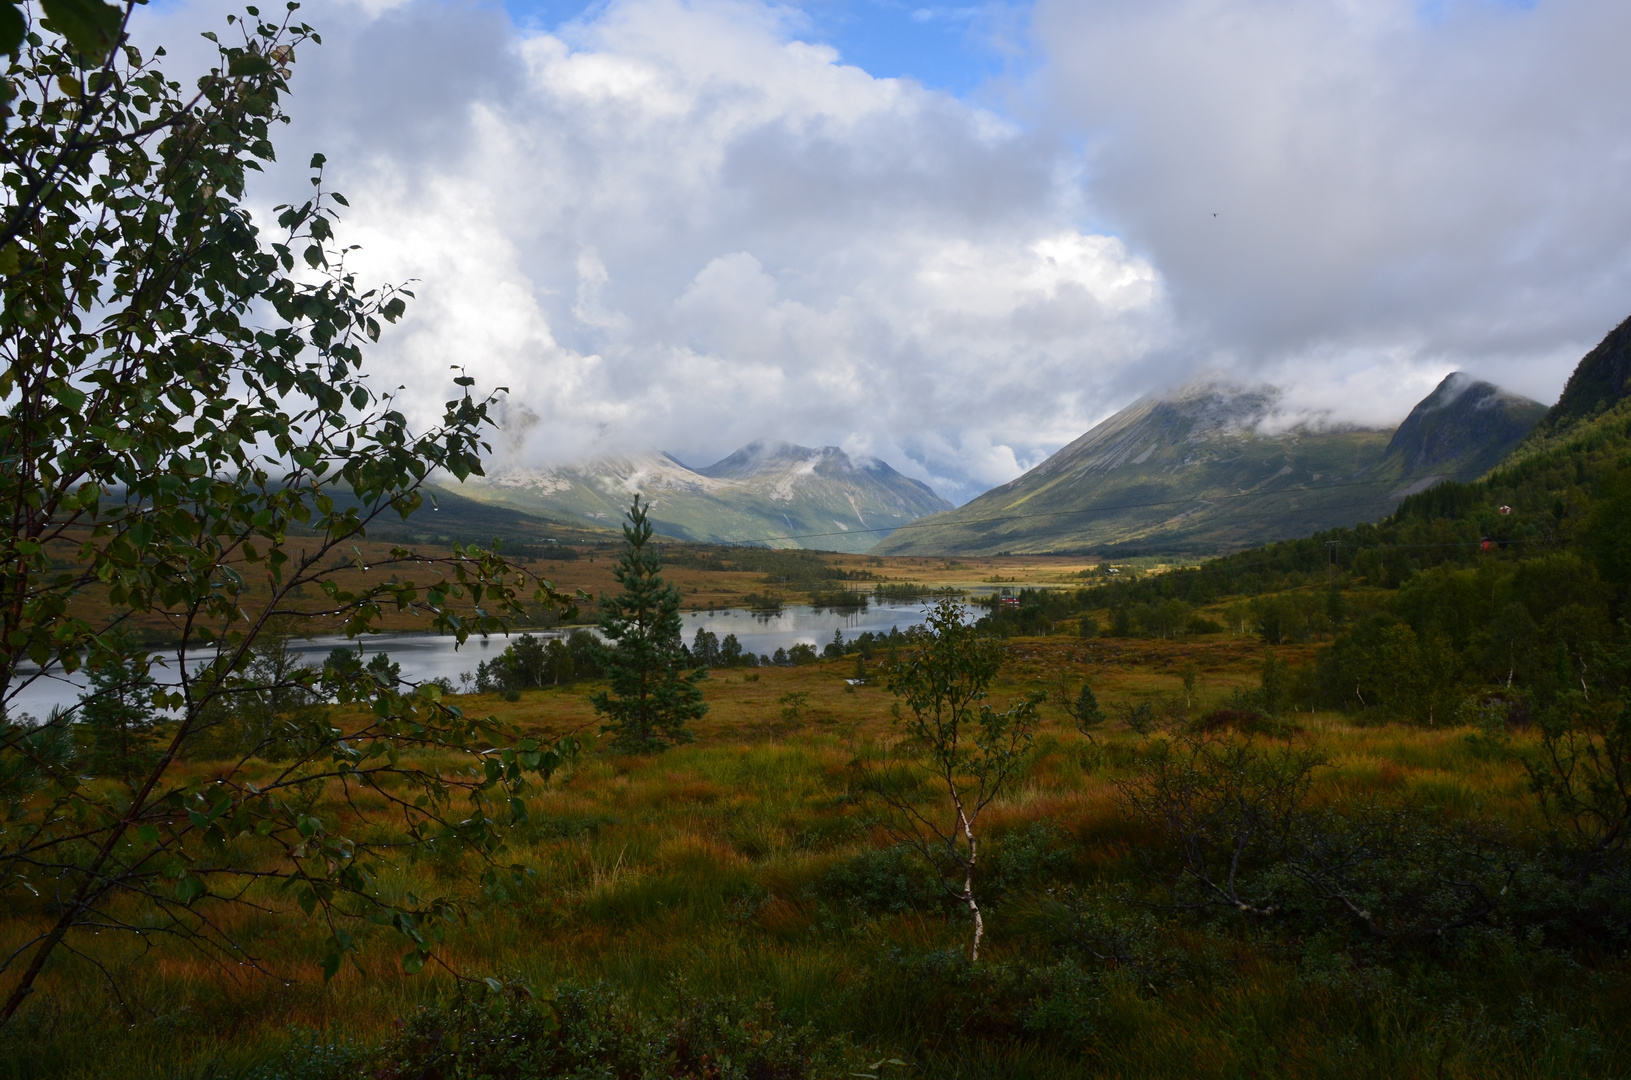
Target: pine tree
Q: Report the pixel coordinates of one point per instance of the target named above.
(117, 710)
(1087, 712)
(652, 694)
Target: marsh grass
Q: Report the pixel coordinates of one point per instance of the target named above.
(744, 867)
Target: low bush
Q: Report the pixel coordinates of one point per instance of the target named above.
(1247, 722)
(890, 880)
(582, 1033)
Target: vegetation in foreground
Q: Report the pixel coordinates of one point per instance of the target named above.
(734, 907)
(1171, 853)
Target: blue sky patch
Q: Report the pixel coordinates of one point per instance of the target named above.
(951, 47)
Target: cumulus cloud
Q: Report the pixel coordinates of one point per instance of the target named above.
(1353, 197)
(677, 226)
(673, 224)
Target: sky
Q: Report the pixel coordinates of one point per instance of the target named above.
(956, 237)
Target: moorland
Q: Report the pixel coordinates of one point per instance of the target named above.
(740, 897)
(1355, 803)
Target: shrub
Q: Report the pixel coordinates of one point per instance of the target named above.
(1247, 722)
(1028, 857)
(885, 881)
(593, 1032)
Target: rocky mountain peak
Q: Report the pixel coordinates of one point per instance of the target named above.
(766, 492)
(1464, 427)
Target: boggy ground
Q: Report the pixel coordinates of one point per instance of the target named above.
(744, 865)
(578, 570)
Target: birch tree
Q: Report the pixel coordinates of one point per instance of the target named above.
(955, 754)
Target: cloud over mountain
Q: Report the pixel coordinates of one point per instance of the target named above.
(677, 226)
(1333, 187)
(680, 225)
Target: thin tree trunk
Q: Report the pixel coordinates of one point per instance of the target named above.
(968, 884)
(979, 923)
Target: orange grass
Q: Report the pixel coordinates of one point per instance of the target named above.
(702, 860)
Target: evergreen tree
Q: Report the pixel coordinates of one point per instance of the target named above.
(705, 650)
(652, 694)
(117, 710)
(1087, 712)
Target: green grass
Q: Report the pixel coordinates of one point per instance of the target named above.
(743, 867)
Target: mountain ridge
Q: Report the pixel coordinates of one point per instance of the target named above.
(768, 492)
(1599, 381)
(1203, 469)
(1465, 427)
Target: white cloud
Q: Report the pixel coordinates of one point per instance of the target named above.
(676, 226)
(673, 224)
(1362, 195)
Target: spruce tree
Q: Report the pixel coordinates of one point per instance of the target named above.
(1087, 712)
(117, 711)
(653, 695)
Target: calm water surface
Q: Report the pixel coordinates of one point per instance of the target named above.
(426, 656)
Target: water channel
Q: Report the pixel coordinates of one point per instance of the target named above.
(428, 656)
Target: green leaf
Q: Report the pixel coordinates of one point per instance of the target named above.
(12, 27)
(190, 888)
(413, 962)
(248, 63)
(90, 26)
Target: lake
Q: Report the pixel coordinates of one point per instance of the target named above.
(429, 656)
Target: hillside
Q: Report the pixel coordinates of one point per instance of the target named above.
(1464, 428)
(767, 492)
(1203, 471)
(1599, 382)
(448, 516)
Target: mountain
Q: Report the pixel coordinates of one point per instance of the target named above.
(1599, 382)
(1205, 470)
(769, 493)
(449, 517)
(1463, 429)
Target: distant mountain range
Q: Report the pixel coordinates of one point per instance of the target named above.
(770, 493)
(1203, 470)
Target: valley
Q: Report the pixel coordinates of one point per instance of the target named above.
(458, 621)
(767, 494)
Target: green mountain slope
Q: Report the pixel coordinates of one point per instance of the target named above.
(1512, 578)
(1462, 429)
(1196, 472)
(1599, 382)
(776, 494)
(447, 516)
(1562, 495)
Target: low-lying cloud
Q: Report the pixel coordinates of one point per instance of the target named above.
(675, 225)
(1357, 196)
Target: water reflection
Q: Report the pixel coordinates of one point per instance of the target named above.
(764, 632)
(427, 656)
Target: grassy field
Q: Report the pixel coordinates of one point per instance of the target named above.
(744, 867)
(694, 569)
